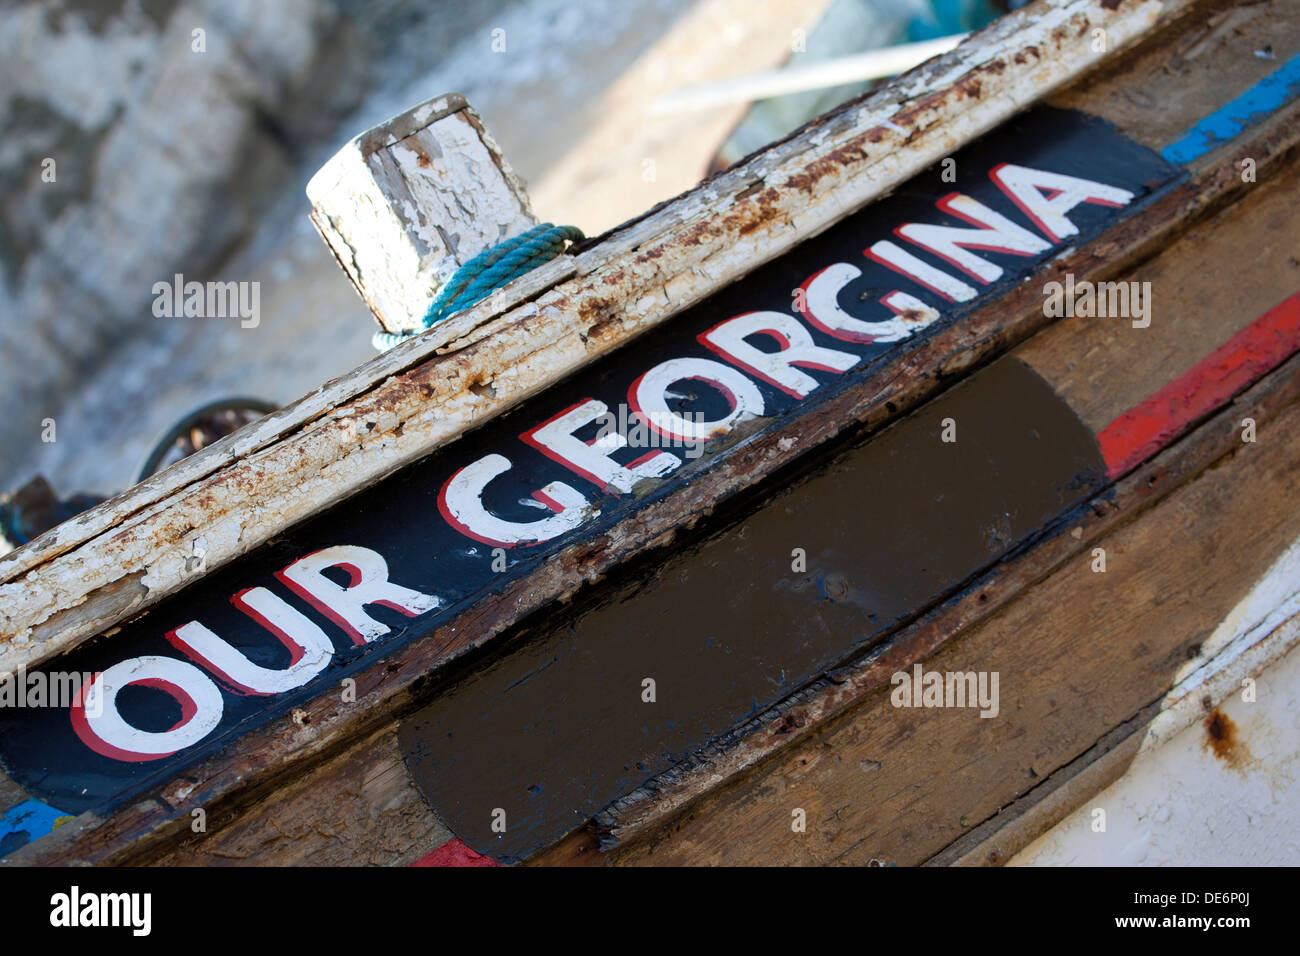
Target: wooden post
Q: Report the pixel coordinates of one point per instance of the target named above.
(407, 202)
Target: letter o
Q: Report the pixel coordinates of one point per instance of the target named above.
(102, 728)
(647, 398)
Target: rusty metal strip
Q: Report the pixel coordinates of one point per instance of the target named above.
(397, 408)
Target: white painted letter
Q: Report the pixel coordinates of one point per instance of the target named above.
(893, 256)
(992, 231)
(648, 398)
(822, 309)
(101, 727)
(345, 606)
(555, 439)
(461, 503)
(1025, 188)
(729, 339)
(309, 648)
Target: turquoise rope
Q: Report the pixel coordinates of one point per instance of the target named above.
(487, 272)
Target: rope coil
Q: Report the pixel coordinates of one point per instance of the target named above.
(486, 272)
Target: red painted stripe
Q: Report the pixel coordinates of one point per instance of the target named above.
(1254, 351)
(1127, 441)
(455, 853)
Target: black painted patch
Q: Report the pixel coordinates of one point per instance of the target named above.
(558, 729)
(399, 517)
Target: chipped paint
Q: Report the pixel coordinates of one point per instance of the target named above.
(844, 330)
(301, 459)
(1211, 761)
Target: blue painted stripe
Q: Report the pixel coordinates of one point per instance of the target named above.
(1270, 93)
(26, 822)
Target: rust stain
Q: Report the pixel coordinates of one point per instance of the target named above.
(920, 112)
(595, 311)
(788, 722)
(605, 330)
(969, 85)
(691, 236)
(582, 553)
(851, 152)
(1223, 740)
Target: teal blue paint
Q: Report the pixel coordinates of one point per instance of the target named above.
(1224, 124)
(24, 823)
(943, 18)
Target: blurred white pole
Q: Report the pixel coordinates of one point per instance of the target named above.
(872, 65)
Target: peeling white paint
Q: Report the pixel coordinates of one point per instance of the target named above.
(1179, 804)
(296, 462)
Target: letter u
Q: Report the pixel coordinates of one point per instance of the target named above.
(309, 648)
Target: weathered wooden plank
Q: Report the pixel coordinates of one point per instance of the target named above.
(353, 526)
(360, 809)
(377, 421)
(1257, 638)
(1207, 286)
(1194, 67)
(899, 785)
(1200, 325)
(10, 793)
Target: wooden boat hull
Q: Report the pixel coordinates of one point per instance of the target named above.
(486, 727)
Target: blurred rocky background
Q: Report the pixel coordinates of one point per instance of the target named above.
(140, 139)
